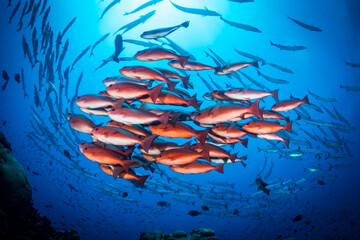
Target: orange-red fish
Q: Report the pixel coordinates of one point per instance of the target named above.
(158, 147)
(118, 136)
(130, 90)
(197, 167)
(182, 156)
(169, 98)
(224, 113)
(80, 123)
(228, 131)
(137, 130)
(136, 116)
(273, 136)
(156, 54)
(114, 80)
(285, 106)
(101, 155)
(97, 101)
(223, 140)
(274, 115)
(178, 130)
(144, 73)
(214, 151)
(249, 94)
(97, 112)
(263, 127)
(120, 173)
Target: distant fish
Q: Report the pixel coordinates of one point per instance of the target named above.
(124, 195)
(72, 187)
(288, 48)
(97, 43)
(298, 218)
(241, 26)
(197, 11)
(306, 26)
(271, 79)
(118, 47)
(67, 27)
(9, 3)
(23, 82)
(357, 65)
(163, 32)
(20, 24)
(178, 49)
(324, 99)
(136, 22)
(248, 55)
(33, 16)
(17, 78)
(14, 11)
(194, 213)
(112, 4)
(80, 56)
(6, 78)
(350, 88)
(262, 186)
(283, 69)
(31, 5)
(143, 6)
(163, 204)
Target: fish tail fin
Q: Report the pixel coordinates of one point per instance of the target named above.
(183, 60)
(288, 127)
(254, 108)
(275, 94)
(171, 85)
(305, 100)
(185, 24)
(175, 116)
(185, 80)
(287, 142)
(244, 142)
(164, 118)
(205, 154)
(233, 157)
(118, 103)
(193, 102)
(125, 166)
(128, 152)
(218, 69)
(202, 136)
(271, 43)
(147, 141)
(155, 92)
(267, 191)
(242, 159)
(256, 64)
(259, 149)
(142, 179)
(220, 168)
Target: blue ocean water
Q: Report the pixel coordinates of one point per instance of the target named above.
(74, 193)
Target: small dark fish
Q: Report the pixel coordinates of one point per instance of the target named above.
(163, 204)
(118, 47)
(241, 26)
(236, 211)
(14, 11)
(6, 78)
(205, 208)
(320, 182)
(4, 123)
(43, 7)
(20, 24)
(67, 154)
(125, 194)
(355, 65)
(72, 187)
(9, 4)
(298, 218)
(31, 5)
(262, 186)
(194, 213)
(33, 16)
(136, 22)
(36, 173)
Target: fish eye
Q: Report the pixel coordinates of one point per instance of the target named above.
(96, 129)
(85, 148)
(160, 155)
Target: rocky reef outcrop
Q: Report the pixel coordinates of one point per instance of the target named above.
(196, 234)
(18, 218)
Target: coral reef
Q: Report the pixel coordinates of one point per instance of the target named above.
(18, 218)
(196, 234)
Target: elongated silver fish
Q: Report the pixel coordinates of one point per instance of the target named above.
(324, 99)
(271, 79)
(306, 26)
(163, 32)
(350, 88)
(197, 11)
(112, 4)
(145, 5)
(288, 48)
(136, 22)
(98, 42)
(241, 26)
(80, 56)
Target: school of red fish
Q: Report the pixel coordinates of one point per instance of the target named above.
(134, 124)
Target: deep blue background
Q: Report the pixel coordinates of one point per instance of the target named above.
(320, 68)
